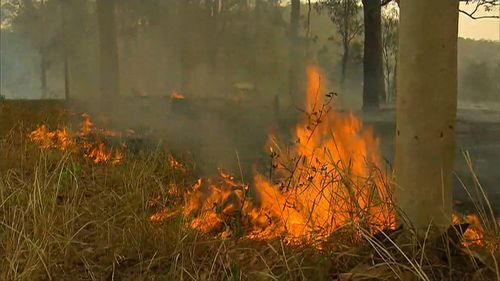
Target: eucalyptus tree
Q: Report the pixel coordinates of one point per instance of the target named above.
(426, 111)
(345, 15)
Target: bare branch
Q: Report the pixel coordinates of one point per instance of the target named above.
(471, 15)
(487, 4)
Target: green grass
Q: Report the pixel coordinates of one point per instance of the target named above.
(64, 218)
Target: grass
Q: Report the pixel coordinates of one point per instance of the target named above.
(64, 218)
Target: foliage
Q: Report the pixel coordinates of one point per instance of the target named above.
(390, 21)
(345, 15)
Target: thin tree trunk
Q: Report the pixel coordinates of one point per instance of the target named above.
(309, 7)
(108, 46)
(344, 66)
(183, 46)
(373, 72)
(426, 112)
(65, 50)
(394, 90)
(294, 50)
(213, 33)
(43, 53)
(43, 73)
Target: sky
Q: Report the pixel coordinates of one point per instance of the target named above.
(479, 29)
(487, 29)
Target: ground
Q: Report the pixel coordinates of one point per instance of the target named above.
(63, 217)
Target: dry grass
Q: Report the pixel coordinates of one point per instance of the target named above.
(64, 218)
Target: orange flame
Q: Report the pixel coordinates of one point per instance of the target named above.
(176, 96)
(474, 235)
(336, 179)
(86, 141)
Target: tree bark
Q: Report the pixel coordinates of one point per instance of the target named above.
(108, 47)
(373, 71)
(426, 111)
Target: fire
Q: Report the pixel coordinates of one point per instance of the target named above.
(176, 96)
(474, 235)
(52, 139)
(337, 177)
(87, 141)
(332, 178)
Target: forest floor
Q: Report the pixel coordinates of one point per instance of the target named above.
(63, 217)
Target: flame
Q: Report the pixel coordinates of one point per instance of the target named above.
(475, 234)
(52, 139)
(335, 179)
(338, 178)
(175, 164)
(86, 141)
(176, 96)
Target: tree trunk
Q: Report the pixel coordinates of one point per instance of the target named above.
(426, 112)
(294, 49)
(64, 34)
(213, 33)
(43, 72)
(43, 53)
(108, 47)
(183, 50)
(373, 72)
(345, 60)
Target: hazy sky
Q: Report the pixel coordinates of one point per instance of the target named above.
(488, 29)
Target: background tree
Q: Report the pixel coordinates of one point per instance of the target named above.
(64, 34)
(390, 21)
(373, 73)
(345, 16)
(108, 46)
(294, 49)
(31, 22)
(426, 111)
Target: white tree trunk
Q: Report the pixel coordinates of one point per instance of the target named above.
(426, 111)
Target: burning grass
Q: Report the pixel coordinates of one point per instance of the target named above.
(88, 141)
(64, 217)
(329, 179)
(323, 212)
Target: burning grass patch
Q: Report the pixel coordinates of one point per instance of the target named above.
(64, 217)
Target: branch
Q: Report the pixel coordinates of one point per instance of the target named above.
(385, 2)
(471, 15)
(480, 3)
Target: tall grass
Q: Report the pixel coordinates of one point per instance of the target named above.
(64, 218)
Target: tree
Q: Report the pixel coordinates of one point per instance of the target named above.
(373, 73)
(294, 48)
(390, 23)
(426, 111)
(345, 15)
(108, 47)
(31, 22)
(64, 11)
(487, 6)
